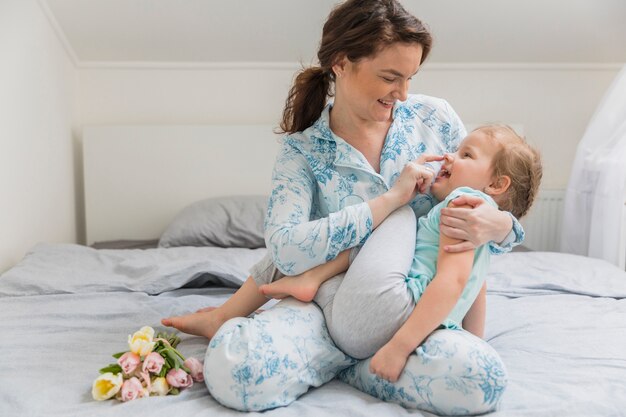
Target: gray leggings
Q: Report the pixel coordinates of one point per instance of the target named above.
(365, 306)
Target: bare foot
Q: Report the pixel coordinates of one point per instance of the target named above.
(205, 323)
(297, 287)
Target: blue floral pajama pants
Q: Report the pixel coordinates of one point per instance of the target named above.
(268, 361)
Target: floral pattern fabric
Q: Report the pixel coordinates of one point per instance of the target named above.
(321, 184)
(452, 373)
(318, 208)
(268, 361)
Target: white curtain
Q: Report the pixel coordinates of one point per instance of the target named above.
(594, 213)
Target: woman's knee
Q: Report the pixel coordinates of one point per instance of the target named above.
(467, 372)
(401, 223)
(365, 315)
(401, 217)
(228, 368)
(452, 373)
(398, 228)
(269, 361)
(360, 329)
(388, 252)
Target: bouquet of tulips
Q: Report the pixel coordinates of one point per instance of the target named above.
(152, 366)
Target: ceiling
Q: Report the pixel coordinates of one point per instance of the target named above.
(281, 31)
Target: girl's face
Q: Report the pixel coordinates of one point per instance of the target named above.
(469, 166)
(368, 89)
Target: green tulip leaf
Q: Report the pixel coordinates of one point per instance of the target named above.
(118, 355)
(113, 368)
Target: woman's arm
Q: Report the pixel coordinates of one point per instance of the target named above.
(438, 300)
(474, 321)
(298, 244)
(478, 223)
(414, 178)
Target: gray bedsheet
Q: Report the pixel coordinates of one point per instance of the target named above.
(559, 322)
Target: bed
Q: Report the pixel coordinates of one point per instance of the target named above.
(557, 320)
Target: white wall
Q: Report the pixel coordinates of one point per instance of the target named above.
(37, 156)
(553, 104)
(46, 100)
(182, 96)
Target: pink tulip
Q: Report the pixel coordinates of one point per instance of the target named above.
(196, 368)
(132, 389)
(153, 363)
(178, 378)
(129, 362)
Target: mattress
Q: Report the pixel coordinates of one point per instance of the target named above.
(558, 321)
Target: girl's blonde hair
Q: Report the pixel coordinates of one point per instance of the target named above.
(519, 161)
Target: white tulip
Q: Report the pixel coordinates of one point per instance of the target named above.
(160, 386)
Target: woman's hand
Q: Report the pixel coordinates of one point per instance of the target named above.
(476, 225)
(388, 362)
(415, 177)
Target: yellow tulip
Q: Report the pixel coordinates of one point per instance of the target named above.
(141, 341)
(106, 386)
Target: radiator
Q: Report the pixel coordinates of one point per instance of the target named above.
(543, 223)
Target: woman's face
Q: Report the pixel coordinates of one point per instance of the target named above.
(469, 166)
(368, 88)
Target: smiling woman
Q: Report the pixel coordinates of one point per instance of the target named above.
(371, 86)
(359, 42)
(351, 151)
(182, 64)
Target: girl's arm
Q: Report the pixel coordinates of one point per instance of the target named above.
(439, 298)
(474, 321)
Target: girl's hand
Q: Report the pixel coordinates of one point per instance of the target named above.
(415, 177)
(476, 225)
(388, 363)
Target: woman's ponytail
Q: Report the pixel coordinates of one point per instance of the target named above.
(355, 29)
(306, 99)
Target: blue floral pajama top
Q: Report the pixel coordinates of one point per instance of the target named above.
(321, 184)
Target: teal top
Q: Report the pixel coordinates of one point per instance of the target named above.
(424, 266)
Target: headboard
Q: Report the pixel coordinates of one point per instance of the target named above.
(137, 178)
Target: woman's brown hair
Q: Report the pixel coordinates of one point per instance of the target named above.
(355, 29)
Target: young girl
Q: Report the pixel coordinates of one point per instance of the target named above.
(492, 162)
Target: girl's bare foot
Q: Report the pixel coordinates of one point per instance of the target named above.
(297, 287)
(205, 323)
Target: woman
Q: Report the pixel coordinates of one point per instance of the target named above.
(331, 187)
